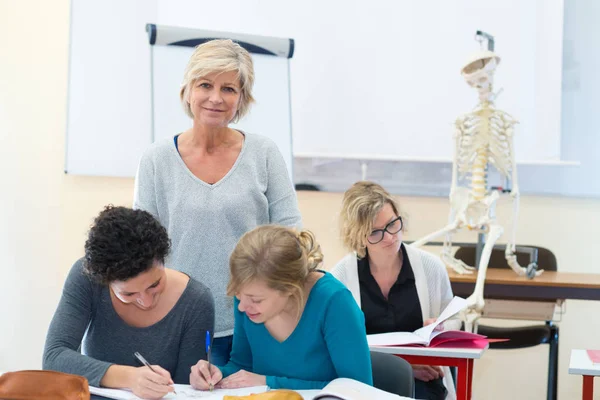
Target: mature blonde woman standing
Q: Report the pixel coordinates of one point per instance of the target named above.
(398, 288)
(211, 184)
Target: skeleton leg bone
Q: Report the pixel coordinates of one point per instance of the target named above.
(458, 266)
(450, 228)
(475, 302)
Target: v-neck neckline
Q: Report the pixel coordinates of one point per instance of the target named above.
(302, 317)
(116, 314)
(176, 153)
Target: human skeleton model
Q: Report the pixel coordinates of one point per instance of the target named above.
(483, 136)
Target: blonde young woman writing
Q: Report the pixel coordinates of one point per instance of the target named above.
(296, 327)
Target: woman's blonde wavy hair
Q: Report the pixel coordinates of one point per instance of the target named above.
(361, 204)
(279, 256)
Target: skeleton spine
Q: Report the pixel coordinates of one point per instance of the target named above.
(478, 176)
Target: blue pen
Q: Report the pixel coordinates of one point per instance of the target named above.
(208, 351)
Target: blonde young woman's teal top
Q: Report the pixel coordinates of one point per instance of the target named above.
(329, 342)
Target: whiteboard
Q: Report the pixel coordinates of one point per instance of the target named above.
(580, 141)
(270, 116)
(108, 108)
(111, 117)
(339, 52)
(381, 78)
(404, 89)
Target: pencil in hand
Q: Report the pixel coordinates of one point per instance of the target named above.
(147, 364)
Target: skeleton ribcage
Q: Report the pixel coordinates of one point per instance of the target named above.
(484, 137)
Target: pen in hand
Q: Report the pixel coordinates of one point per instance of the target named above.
(147, 364)
(208, 351)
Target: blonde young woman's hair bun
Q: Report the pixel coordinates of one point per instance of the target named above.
(312, 249)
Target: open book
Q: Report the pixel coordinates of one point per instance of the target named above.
(183, 392)
(348, 389)
(429, 336)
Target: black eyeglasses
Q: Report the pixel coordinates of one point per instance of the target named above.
(392, 228)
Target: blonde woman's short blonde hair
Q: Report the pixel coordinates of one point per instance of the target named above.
(279, 256)
(360, 206)
(218, 56)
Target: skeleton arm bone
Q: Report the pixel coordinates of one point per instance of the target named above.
(515, 190)
(447, 248)
(457, 135)
(511, 246)
(453, 223)
(509, 253)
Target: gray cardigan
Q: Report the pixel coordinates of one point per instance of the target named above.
(86, 317)
(205, 221)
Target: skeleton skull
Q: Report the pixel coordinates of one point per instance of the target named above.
(479, 72)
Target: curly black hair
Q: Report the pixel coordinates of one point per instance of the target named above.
(123, 243)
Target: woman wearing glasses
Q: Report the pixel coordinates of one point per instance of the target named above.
(398, 288)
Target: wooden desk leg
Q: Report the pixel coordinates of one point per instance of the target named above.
(470, 372)
(462, 387)
(588, 387)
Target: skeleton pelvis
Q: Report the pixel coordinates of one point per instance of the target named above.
(471, 213)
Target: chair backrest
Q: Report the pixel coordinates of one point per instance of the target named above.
(392, 374)
(546, 259)
(307, 186)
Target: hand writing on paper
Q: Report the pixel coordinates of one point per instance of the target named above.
(430, 321)
(427, 373)
(242, 379)
(149, 384)
(201, 377)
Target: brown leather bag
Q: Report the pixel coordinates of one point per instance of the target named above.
(270, 395)
(47, 385)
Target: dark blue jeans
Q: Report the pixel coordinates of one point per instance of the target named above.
(221, 350)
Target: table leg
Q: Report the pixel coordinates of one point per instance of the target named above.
(470, 373)
(588, 387)
(464, 369)
(462, 387)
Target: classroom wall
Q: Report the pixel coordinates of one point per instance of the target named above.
(44, 214)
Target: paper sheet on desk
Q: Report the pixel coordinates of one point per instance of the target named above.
(183, 392)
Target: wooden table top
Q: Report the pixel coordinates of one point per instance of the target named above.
(505, 276)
